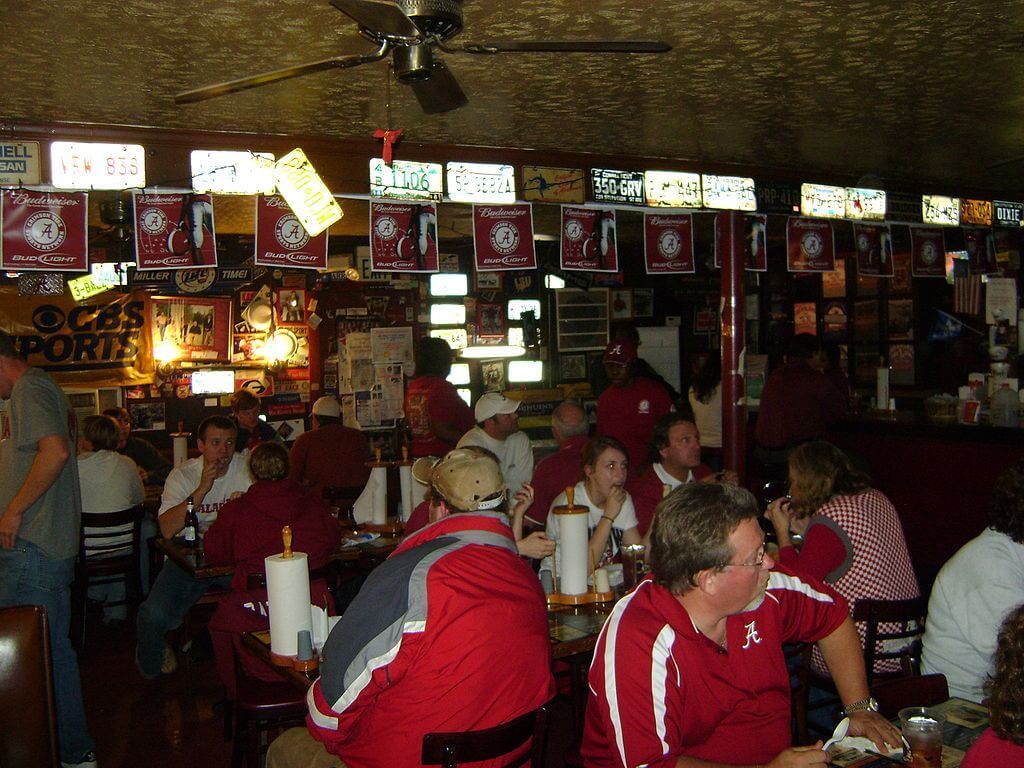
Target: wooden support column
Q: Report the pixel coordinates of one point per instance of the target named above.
(734, 414)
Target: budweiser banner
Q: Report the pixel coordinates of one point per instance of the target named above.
(928, 252)
(755, 241)
(282, 241)
(503, 237)
(45, 231)
(403, 237)
(981, 251)
(588, 240)
(102, 341)
(668, 243)
(874, 250)
(810, 246)
(174, 231)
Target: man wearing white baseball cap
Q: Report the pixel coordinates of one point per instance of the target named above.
(497, 430)
(330, 454)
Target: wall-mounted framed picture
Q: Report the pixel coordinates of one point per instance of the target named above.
(573, 367)
(490, 320)
(621, 303)
(190, 328)
(493, 374)
(291, 306)
(487, 281)
(643, 302)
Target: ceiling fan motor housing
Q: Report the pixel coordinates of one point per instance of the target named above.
(440, 18)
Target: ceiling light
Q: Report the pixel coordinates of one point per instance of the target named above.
(491, 351)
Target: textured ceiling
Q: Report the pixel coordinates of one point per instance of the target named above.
(928, 93)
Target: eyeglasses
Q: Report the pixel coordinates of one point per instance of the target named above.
(759, 563)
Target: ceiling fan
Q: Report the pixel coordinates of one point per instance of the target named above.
(410, 30)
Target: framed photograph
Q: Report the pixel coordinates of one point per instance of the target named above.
(148, 417)
(291, 306)
(573, 367)
(490, 320)
(493, 373)
(621, 302)
(643, 302)
(487, 281)
(190, 328)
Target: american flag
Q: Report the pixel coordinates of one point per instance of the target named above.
(967, 295)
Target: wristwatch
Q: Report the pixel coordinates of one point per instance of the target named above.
(864, 705)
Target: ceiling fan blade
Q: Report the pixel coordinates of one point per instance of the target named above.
(568, 46)
(381, 16)
(244, 83)
(441, 92)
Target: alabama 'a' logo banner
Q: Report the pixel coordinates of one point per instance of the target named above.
(810, 245)
(403, 237)
(588, 240)
(282, 241)
(45, 231)
(503, 237)
(668, 243)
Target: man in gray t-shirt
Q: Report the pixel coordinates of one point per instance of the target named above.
(40, 525)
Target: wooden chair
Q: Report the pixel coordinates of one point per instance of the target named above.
(451, 749)
(28, 715)
(260, 708)
(921, 691)
(109, 553)
(909, 618)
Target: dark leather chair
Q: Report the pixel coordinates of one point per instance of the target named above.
(109, 553)
(920, 691)
(451, 749)
(260, 710)
(28, 716)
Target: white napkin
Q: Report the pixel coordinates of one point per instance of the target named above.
(322, 626)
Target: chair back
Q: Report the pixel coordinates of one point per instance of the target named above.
(451, 749)
(28, 716)
(887, 623)
(111, 534)
(342, 498)
(921, 691)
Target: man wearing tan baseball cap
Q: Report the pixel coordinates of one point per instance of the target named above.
(454, 612)
(497, 430)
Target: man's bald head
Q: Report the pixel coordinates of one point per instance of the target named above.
(569, 420)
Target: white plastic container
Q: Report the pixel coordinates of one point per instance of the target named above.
(1005, 405)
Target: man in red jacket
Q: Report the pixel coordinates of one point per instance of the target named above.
(563, 468)
(449, 634)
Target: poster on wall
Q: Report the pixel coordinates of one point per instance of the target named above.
(755, 241)
(810, 245)
(668, 243)
(174, 231)
(45, 231)
(503, 237)
(190, 328)
(282, 241)
(403, 237)
(589, 240)
(874, 249)
(927, 252)
(981, 251)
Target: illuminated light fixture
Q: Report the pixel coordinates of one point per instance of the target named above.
(305, 192)
(281, 345)
(447, 314)
(481, 183)
(515, 337)
(936, 209)
(822, 201)
(554, 282)
(729, 193)
(491, 351)
(516, 307)
(672, 189)
(466, 395)
(524, 371)
(351, 273)
(91, 165)
(449, 284)
(459, 374)
(165, 353)
(232, 172)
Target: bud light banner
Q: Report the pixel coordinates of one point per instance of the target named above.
(174, 231)
(874, 249)
(927, 252)
(101, 341)
(45, 231)
(754, 243)
(810, 246)
(282, 241)
(668, 243)
(503, 237)
(403, 237)
(588, 240)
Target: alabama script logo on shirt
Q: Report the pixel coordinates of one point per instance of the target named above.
(752, 636)
(644, 406)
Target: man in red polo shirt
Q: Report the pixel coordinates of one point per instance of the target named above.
(689, 670)
(556, 472)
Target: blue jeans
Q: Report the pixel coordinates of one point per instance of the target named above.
(173, 593)
(29, 577)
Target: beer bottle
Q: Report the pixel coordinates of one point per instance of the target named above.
(191, 523)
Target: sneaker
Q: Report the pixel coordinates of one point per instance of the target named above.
(170, 662)
(88, 761)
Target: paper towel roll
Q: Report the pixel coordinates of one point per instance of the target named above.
(572, 553)
(180, 448)
(405, 480)
(882, 393)
(288, 601)
(380, 495)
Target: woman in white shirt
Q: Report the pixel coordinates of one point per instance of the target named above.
(706, 403)
(611, 518)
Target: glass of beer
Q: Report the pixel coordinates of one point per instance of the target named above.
(633, 564)
(922, 737)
